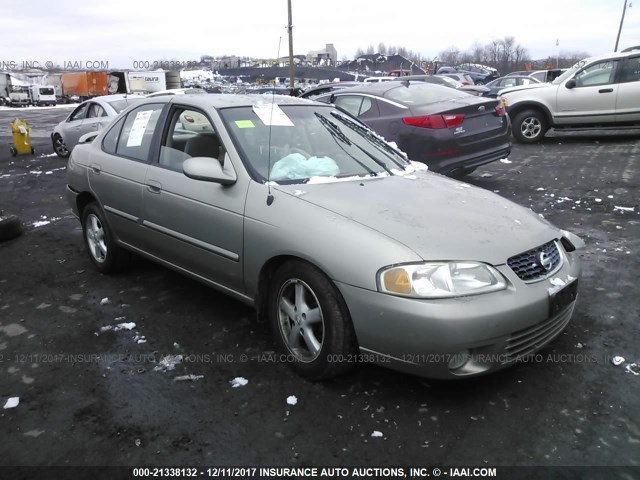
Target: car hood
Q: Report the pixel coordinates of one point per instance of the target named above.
(434, 216)
(519, 88)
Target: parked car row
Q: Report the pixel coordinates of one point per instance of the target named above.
(477, 74)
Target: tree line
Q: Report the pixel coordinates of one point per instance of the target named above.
(505, 55)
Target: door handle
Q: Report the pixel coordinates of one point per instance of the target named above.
(606, 90)
(96, 168)
(153, 186)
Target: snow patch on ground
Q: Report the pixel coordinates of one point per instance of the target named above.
(505, 160)
(617, 360)
(167, 363)
(188, 378)
(12, 402)
(238, 382)
(632, 368)
(292, 400)
(118, 327)
(44, 221)
(377, 434)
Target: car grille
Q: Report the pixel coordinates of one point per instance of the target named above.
(526, 266)
(527, 340)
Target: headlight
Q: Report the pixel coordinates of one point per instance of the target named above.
(440, 279)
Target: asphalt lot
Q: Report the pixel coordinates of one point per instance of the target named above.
(92, 397)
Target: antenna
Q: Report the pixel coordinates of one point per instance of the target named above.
(273, 100)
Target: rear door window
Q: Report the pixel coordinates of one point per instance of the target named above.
(630, 70)
(137, 132)
(79, 113)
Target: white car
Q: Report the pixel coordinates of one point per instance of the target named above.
(598, 92)
(90, 116)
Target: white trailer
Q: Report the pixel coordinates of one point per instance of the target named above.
(155, 81)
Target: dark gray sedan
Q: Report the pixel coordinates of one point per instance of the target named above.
(509, 81)
(449, 130)
(90, 116)
(350, 251)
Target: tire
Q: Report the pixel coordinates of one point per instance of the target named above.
(10, 227)
(529, 126)
(59, 147)
(302, 298)
(479, 82)
(103, 251)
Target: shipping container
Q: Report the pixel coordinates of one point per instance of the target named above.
(85, 84)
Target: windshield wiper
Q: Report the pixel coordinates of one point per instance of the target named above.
(337, 134)
(377, 141)
(332, 126)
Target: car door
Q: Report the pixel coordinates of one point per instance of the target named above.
(628, 99)
(117, 171)
(193, 224)
(72, 130)
(593, 97)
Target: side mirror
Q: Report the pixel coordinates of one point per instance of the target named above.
(571, 83)
(88, 137)
(209, 170)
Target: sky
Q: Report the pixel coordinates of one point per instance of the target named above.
(122, 32)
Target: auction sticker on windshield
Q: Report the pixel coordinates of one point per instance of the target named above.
(272, 115)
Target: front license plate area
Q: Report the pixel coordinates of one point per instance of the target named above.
(561, 299)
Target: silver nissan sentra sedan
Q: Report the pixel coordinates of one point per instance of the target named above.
(350, 251)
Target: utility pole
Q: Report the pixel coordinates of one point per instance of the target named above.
(292, 67)
(624, 9)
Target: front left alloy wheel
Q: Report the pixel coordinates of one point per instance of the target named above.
(310, 321)
(59, 147)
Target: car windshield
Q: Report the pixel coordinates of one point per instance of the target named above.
(308, 143)
(568, 73)
(47, 91)
(423, 94)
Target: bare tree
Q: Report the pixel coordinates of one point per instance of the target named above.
(450, 56)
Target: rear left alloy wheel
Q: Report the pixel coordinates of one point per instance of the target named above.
(310, 321)
(104, 253)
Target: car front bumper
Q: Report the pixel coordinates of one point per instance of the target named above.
(432, 338)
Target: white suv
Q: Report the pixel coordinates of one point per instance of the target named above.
(598, 92)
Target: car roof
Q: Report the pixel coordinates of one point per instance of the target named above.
(612, 55)
(227, 100)
(174, 91)
(114, 97)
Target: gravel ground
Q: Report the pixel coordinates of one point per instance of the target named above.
(93, 397)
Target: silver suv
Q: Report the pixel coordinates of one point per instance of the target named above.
(598, 92)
